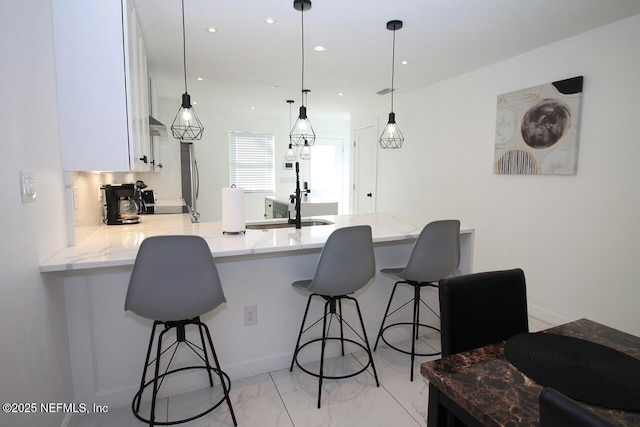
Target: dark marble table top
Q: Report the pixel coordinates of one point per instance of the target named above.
(493, 391)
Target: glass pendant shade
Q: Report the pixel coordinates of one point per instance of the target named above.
(186, 126)
(391, 135)
(305, 152)
(302, 133)
(290, 155)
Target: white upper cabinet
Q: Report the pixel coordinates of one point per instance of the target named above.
(103, 102)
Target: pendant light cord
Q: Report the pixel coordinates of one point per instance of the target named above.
(302, 18)
(393, 63)
(184, 50)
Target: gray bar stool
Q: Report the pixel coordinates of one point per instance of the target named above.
(435, 256)
(346, 264)
(175, 281)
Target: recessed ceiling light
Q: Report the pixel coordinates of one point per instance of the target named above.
(253, 108)
(270, 20)
(211, 30)
(404, 62)
(200, 79)
(319, 48)
(340, 94)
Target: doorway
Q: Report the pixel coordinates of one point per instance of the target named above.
(326, 171)
(365, 169)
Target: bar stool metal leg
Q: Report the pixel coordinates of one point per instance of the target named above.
(386, 314)
(366, 341)
(304, 319)
(204, 348)
(225, 389)
(136, 401)
(415, 322)
(324, 343)
(341, 326)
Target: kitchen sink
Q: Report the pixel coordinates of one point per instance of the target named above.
(270, 225)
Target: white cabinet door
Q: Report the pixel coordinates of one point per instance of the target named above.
(138, 94)
(94, 85)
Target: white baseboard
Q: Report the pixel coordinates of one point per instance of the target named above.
(547, 316)
(187, 381)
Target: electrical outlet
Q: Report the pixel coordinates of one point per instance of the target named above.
(251, 315)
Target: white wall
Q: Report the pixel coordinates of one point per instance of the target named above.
(576, 237)
(34, 361)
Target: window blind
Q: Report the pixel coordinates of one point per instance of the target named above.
(251, 161)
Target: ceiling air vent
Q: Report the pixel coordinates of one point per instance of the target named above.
(385, 91)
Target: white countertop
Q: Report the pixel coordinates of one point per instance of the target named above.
(117, 245)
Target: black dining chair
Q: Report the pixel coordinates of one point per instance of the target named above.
(558, 410)
(482, 308)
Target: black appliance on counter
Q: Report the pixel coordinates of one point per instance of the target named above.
(120, 204)
(148, 205)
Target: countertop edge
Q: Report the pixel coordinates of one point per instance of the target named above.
(103, 249)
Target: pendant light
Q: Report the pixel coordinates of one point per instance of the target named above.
(305, 152)
(302, 131)
(290, 155)
(186, 126)
(391, 136)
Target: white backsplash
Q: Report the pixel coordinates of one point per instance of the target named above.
(83, 201)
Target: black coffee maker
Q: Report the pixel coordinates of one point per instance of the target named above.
(120, 204)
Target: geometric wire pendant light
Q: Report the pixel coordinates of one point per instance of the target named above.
(186, 126)
(305, 152)
(302, 133)
(391, 136)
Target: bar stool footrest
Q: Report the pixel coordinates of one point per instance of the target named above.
(332, 377)
(160, 378)
(405, 351)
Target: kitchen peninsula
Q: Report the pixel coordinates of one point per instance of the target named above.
(256, 268)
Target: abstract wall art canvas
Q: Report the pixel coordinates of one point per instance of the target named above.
(537, 129)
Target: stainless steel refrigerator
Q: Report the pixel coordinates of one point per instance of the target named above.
(190, 179)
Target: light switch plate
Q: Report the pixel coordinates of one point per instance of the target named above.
(28, 187)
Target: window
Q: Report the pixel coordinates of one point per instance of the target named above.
(251, 161)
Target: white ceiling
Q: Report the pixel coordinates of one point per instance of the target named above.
(248, 63)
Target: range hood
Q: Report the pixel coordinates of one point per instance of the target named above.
(156, 128)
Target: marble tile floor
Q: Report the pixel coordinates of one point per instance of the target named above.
(283, 398)
(289, 399)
